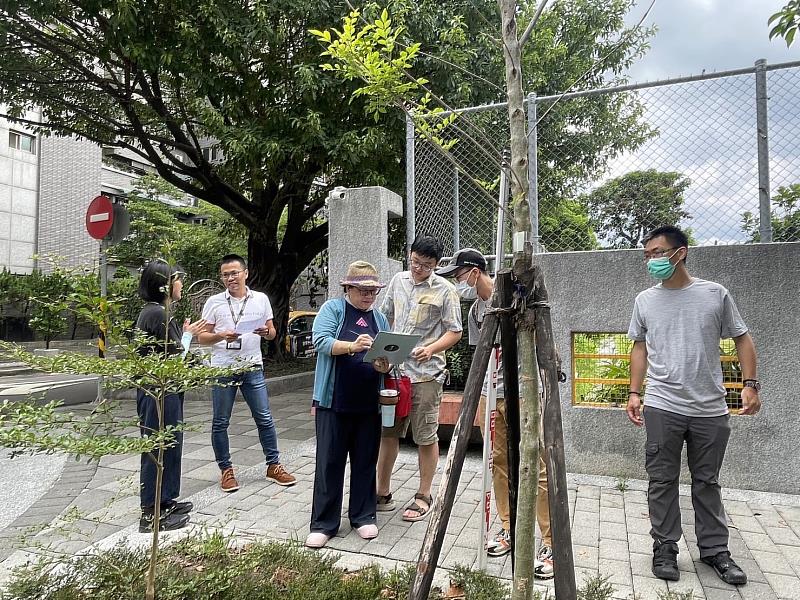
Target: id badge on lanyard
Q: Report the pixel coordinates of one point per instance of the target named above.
(237, 343)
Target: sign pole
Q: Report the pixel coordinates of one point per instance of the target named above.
(99, 225)
(101, 342)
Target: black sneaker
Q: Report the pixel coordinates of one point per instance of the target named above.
(167, 522)
(727, 570)
(665, 561)
(179, 508)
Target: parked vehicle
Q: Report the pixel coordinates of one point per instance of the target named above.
(298, 337)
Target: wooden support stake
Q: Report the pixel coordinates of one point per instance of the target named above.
(508, 342)
(554, 443)
(443, 505)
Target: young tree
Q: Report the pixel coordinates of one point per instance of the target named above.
(50, 301)
(623, 209)
(28, 427)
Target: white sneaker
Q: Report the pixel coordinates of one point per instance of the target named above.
(543, 564)
(368, 531)
(500, 545)
(317, 539)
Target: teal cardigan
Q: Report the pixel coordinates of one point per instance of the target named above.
(325, 331)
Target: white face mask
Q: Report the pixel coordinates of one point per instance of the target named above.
(467, 291)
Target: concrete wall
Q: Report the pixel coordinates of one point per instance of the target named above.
(594, 291)
(70, 179)
(19, 183)
(359, 230)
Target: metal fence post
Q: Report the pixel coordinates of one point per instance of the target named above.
(410, 168)
(456, 212)
(533, 172)
(765, 214)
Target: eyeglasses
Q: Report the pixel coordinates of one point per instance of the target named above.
(420, 267)
(367, 293)
(658, 253)
(231, 275)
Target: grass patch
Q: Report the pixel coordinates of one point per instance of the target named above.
(212, 567)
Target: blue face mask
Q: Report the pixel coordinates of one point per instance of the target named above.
(661, 268)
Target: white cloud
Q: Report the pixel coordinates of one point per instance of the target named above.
(710, 35)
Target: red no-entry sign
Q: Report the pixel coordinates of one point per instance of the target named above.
(99, 217)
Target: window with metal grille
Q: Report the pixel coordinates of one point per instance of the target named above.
(601, 370)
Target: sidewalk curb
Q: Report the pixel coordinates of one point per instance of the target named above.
(275, 386)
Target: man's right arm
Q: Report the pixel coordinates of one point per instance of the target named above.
(209, 337)
(638, 372)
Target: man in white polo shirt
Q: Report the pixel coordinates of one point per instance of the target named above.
(249, 311)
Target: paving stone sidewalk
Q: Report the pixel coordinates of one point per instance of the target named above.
(97, 506)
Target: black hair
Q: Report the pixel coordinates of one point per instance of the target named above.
(155, 284)
(229, 258)
(428, 246)
(675, 236)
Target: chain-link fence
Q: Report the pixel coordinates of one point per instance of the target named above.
(716, 154)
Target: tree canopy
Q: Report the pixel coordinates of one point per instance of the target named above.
(167, 79)
(785, 216)
(623, 209)
(196, 247)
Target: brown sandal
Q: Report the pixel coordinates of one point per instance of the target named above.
(385, 503)
(421, 512)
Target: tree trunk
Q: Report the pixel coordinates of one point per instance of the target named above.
(524, 543)
(272, 273)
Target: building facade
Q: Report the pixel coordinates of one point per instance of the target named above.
(20, 154)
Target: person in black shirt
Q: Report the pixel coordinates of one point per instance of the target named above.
(346, 405)
(160, 285)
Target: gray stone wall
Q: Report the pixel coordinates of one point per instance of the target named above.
(359, 230)
(69, 179)
(594, 291)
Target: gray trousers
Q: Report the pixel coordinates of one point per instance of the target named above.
(706, 439)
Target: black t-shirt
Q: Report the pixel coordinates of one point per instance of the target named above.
(356, 384)
(152, 320)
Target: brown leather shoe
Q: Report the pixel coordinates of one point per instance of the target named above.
(228, 481)
(280, 475)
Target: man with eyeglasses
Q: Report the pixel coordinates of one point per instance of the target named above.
(224, 312)
(676, 328)
(420, 302)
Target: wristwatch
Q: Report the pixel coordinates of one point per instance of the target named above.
(752, 383)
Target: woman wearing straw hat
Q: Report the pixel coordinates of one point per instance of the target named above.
(346, 401)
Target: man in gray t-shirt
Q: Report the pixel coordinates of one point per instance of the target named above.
(676, 328)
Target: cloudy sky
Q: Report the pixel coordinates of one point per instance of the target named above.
(714, 35)
(707, 129)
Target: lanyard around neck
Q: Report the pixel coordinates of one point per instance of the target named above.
(236, 319)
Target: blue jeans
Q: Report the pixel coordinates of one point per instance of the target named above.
(254, 390)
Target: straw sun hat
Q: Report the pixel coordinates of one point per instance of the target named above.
(362, 275)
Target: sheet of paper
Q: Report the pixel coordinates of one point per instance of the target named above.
(249, 326)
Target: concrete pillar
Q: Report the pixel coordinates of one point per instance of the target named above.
(358, 221)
